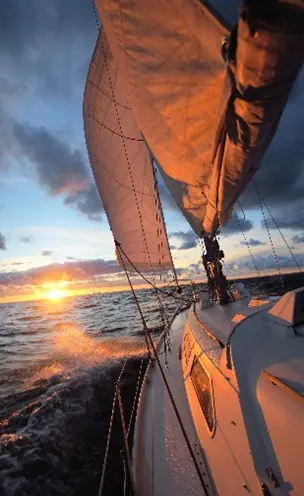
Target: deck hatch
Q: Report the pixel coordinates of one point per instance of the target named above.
(202, 383)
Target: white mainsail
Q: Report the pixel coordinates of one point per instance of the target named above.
(208, 137)
(122, 165)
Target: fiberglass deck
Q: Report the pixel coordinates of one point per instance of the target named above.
(162, 463)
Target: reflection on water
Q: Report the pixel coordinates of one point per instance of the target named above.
(59, 362)
(58, 365)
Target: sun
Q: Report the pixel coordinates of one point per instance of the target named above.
(55, 294)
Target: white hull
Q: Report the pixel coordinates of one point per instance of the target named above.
(249, 363)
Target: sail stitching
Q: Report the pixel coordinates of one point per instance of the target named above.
(126, 155)
(159, 205)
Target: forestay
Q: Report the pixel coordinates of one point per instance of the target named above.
(208, 137)
(122, 166)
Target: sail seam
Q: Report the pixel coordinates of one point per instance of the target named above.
(126, 154)
(114, 132)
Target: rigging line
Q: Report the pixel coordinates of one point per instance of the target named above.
(139, 212)
(127, 158)
(281, 234)
(162, 214)
(168, 389)
(180, 298)
(105, 458)
(247, 244)
(240, 205)
(146, 331)
(125, 437)
(137, 389)
(275, 256)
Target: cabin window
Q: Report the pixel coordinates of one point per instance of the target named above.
(203, 386)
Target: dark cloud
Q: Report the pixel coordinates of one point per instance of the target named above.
(47, 253)
(58, 168)
(292, 217)
(280, 179)
(187, 239)
(2, 242)
(25, 239)
(61, 170)
(71, 258)
(235, 224)
(264, 262)
(252, 242)
(298, 239)
(87, 202)
(8, 88)
(47, 44)
(73, 270)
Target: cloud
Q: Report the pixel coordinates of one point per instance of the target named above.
(280, 179)
(2, 242)
(252, 242)
(87, 202)
(57, 167)
(298, 238)
(82, 270)
(25, 239)
(292, 217)
(263, 262)
(45, 50)
(235, 224)
(39, 43)
(46, 253)
(187, 239)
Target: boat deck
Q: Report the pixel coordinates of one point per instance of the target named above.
(162, 463)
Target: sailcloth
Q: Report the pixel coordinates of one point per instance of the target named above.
(208, 132)
(122, 166)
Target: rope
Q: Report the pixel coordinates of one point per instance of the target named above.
(163, 217)
(247, 244)
(135, 396)
(180, 298)
(282, 235)
(275, 256)
(127, 451)
(155, 354)
(105, 459)
(128, 162)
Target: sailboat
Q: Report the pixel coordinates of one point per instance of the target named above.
(171, 85)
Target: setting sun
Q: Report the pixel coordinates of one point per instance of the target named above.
(55, 294)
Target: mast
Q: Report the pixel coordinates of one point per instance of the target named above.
(212, 262)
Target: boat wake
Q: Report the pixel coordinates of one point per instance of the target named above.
(52, 434)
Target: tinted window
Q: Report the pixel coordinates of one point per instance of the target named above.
(203, 387)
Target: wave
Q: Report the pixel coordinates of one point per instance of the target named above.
(29, 318)
(90, 305)
(54, 443)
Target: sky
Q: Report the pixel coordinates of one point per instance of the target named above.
(53, 229)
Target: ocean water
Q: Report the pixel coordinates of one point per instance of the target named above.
(59, 362)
